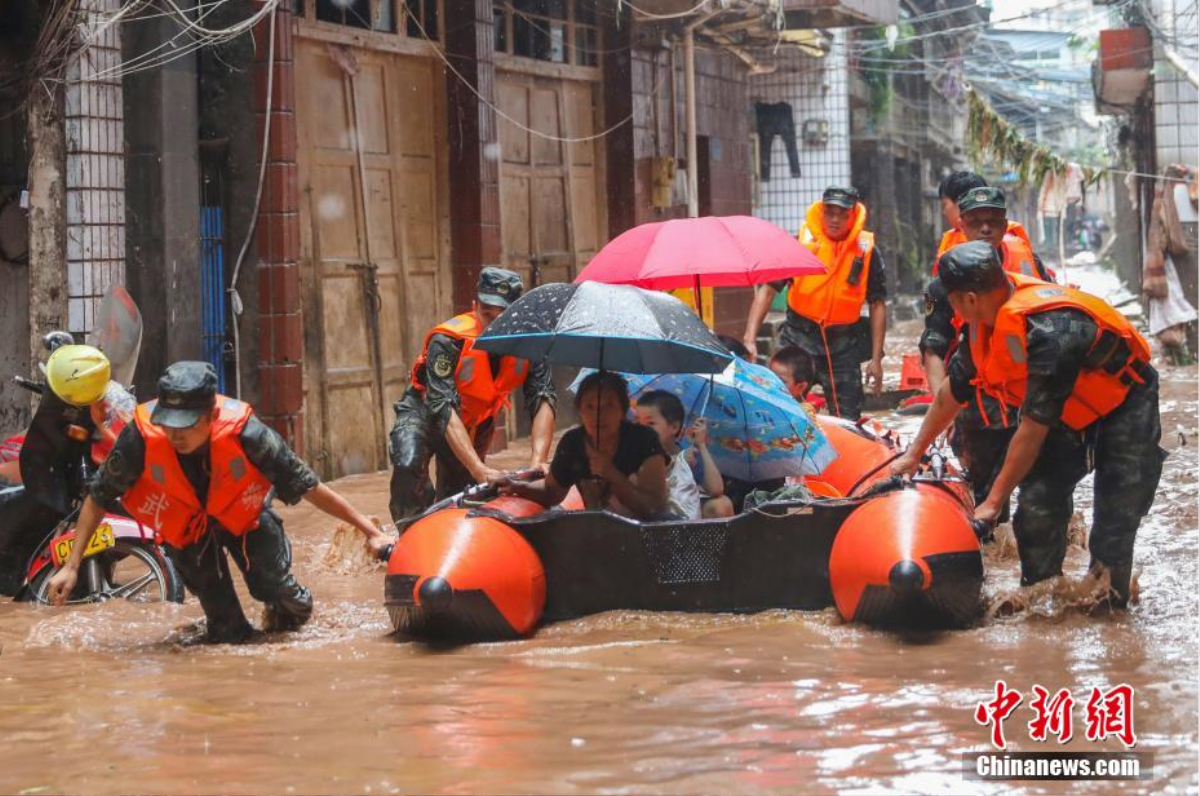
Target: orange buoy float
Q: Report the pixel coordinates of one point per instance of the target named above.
(909, 557)
(452, 575)
(861, 461)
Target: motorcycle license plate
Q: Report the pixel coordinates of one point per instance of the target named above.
(102, 540)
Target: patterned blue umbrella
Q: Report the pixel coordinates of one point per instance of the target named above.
(757, 431)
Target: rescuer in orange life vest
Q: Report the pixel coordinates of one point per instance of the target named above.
(824, 316)
(449, 410)
(1080, 376)
(980, 434)
(199, 469)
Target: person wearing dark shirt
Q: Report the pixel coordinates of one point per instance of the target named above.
(199, 469)
(825, 311)
(449, 410)
(617, 465)
(1080, 376)
(980, 436)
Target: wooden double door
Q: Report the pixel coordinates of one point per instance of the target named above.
(374, 225)
(552, 209)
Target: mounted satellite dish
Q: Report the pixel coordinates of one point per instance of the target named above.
(118, 332)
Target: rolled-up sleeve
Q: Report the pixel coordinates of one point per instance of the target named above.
(286, 471)
(120, 470)
(961, 372)
(938, 335)
(877, 288)
(441, 392)
(538, 387)
(1057, 344)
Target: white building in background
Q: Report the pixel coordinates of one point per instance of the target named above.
(816, 91)
(1177, 121)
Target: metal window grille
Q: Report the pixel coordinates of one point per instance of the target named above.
(817, 91)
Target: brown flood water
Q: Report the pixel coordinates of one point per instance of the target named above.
(115, 698)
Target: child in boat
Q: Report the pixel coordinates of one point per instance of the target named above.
(663, 412)
(618, 465)
(796, 370)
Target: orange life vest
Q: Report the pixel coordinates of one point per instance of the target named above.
(1018, 259)
(166, 501)
(1000, 353)
(954, 237)
(829, 298)
(482, 393)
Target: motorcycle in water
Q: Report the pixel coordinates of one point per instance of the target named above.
(122, 560)
(57, 458)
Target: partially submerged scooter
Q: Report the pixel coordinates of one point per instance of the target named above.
(57, 460)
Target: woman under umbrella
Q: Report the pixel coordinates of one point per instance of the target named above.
(616, 464)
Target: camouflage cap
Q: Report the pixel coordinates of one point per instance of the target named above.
(971, 267)
(186, 391)
(840, 196)
(986, 196)
(499, 287)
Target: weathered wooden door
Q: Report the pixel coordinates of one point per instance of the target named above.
(550, 211)
(372, 240)
(553, 216)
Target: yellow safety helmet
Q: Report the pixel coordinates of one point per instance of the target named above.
(78, 374)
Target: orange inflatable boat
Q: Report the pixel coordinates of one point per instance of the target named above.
(883, 551)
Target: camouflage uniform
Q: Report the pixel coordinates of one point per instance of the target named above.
(847, 348)
(264, 555)
(981, 433)
(1121, 447)
(419, 433)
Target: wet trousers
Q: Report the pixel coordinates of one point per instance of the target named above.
(775, 119)
(981, 452)
(264, 556)
(416, 438)
(847, 372)
(1124, 452)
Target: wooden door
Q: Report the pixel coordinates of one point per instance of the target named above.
(549, 205)
(553, 216)
(372, 237)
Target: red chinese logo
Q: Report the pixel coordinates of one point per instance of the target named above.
(996, 711)
(1111, 713)
(1108, 713)
(1053, 714)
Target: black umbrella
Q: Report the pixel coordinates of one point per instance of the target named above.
(608, 327)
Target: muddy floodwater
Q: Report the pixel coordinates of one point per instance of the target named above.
(119, 699)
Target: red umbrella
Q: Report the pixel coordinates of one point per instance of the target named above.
(714, 251)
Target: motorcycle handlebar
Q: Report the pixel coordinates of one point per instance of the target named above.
(28, 384)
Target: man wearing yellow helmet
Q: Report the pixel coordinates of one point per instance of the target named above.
(81, 376)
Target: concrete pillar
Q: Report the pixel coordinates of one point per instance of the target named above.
(162, 189)
(277, 237)
(474, 146)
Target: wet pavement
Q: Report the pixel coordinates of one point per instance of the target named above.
(119, 699)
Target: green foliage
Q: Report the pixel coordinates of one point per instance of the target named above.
(992, 139)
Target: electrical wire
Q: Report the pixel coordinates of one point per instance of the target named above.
(519, 125)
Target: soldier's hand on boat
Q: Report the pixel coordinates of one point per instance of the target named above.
(379, 542)
(874, 372)
(987, 512)
(907, 464)
(62, 583)
(491, 477)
